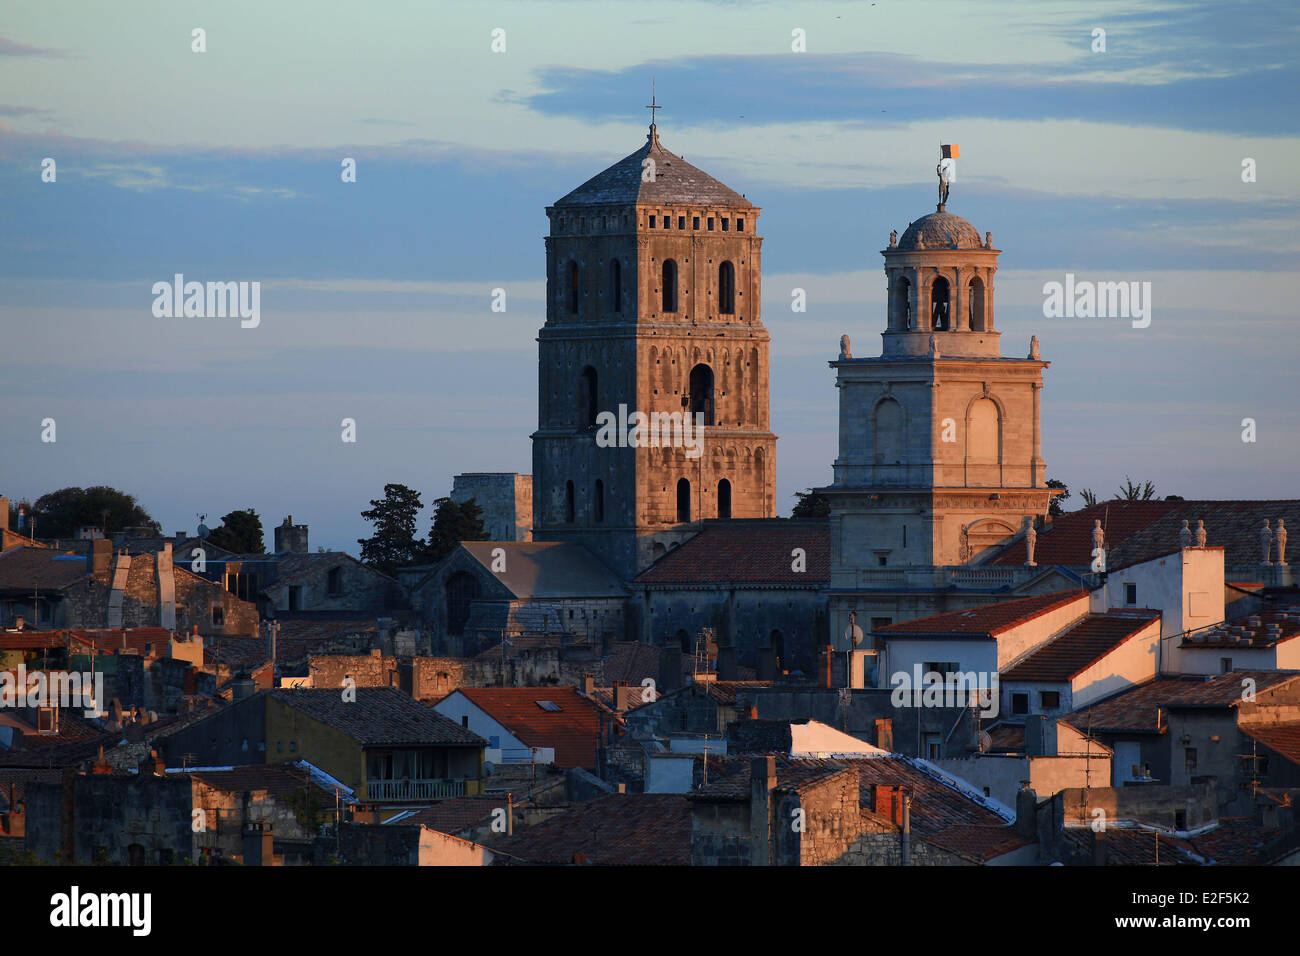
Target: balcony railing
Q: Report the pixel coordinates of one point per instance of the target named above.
(414, 789)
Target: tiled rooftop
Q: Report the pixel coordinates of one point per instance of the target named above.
(379, 715)
(754, 553)
(983, 622)
(1136, 709)
(619, 829)
(573, 730)
(46, 569)
(1137, 531)
(1282, 738)
(674, 181)
(1078, 648)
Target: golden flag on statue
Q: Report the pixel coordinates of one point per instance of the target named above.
(951, 152)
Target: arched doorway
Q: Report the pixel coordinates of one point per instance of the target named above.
(683, 500)
(724, 498)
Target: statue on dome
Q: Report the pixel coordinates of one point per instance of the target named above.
(845, 351)
(893, 238)
(1033, 348)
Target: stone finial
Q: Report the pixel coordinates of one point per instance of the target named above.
(1265, 542)
(1281, 542)
(1098, 536)
(988, 240)
(1033, 348)
(845, 351)
(1184, 535)
(893, 238)
(1200, 533)
(1031, 539)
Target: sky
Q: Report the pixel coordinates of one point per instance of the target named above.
(1122, 164)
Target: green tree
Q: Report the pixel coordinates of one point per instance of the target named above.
(452, 524)
(1089, 497)
(394, 544)
(1131, 492)
(240, 532)
(1057, 507)
(811, 504)
(60, 513)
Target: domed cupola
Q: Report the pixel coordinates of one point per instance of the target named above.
(940, 289)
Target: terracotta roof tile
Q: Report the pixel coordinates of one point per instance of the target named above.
(1078, 648)
(983, 622)
(619, 829)
(754, 552)
(378, 716)
(573, 730)
(1282, 738)
(27, 568)
(1138, 531)
(1136, 709)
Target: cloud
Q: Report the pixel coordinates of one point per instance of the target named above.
(12, 48)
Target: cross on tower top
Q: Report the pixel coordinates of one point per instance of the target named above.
(652, 107)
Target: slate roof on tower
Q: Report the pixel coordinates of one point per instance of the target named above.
(675, 181)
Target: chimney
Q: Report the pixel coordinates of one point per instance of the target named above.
(1040, 736)
(826, 666)
(290, 537)
(1026, 813)
(588, 684)
(4, 513)
(670, 668)
(101, 765)
(753, 712)
(727, 663)
(762, 781)
(259, 845)
(101, 559)
(885, 733)
(152, 765)
(510, 813)
(888, 802)
(242, 687)
(622, 696)
(622, 788)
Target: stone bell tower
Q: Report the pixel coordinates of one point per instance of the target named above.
(654, 283)
(939, 450)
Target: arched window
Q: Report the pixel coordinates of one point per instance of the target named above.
(975, 296)
(939, 305)
(983, 433)
(461, 591)
(683, 500)
(684, 639)
(701, 392)
(726, 289)
(616, 284)
(588, 398)
(902, 304)
(569, 509)
(573, 287)
(598, 501)
(669, 289)
(888, 438)
(724, 498)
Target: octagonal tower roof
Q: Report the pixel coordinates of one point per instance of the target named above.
(675, 181)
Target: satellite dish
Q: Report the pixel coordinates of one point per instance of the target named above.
(986, 741)
(204, 531)
(853, 634)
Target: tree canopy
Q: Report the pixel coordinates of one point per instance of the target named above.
(811, 504)
(452, 524)
(60, 513)
(394, 544)
(240, 532)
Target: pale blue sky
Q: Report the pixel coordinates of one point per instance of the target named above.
(375, 301)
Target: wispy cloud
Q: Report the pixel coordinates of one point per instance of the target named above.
(12, 48)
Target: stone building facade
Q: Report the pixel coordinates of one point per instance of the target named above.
(654, 278)
(506, 499)
(940, 447)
